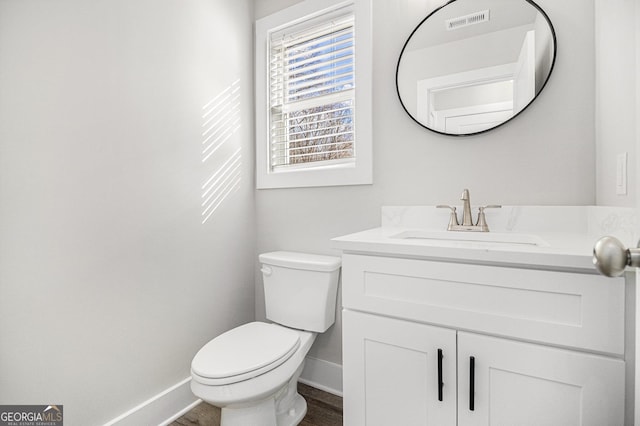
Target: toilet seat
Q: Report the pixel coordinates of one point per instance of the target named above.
(243, 353)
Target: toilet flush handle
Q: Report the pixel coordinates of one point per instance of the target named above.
(266, 271)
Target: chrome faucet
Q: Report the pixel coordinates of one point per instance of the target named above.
(467, 220)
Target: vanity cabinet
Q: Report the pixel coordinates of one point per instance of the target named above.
(522, 384)
(391, 374)
(438, 343)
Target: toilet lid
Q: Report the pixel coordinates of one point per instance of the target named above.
(245, 352)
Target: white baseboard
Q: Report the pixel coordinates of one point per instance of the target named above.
(323, 375)
(168, 405)
(161, 409)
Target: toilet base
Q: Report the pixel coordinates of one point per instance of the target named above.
(286, 408)
(264, 414)
(295, 415)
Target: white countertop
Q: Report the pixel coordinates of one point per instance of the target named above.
(570, 233)
(564, 251)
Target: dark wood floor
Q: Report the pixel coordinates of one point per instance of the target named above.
(323, 409)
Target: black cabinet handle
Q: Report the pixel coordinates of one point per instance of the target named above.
(440, 383)
(472, 382)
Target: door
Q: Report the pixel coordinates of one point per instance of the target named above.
(392, 374)
(524, 82)
(635, 9)
(462, 122)
(503, 382)
(637, 337)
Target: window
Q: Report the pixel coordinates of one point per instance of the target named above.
(313, 95)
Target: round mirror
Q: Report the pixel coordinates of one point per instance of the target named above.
(472, 65)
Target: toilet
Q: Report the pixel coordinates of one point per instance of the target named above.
(251, 372)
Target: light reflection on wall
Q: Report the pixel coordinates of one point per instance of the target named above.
(221, 120)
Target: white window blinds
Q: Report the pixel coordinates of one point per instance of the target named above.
(312, 93)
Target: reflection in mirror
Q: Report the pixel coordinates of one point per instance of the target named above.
(472, 65)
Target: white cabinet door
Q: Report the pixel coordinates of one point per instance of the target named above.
(531, 385)
(391, 375)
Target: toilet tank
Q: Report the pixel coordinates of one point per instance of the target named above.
(300, 289)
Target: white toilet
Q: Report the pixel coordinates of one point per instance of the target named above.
(251, 372)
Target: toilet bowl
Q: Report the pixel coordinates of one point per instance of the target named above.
(251, 371)
(272, 390)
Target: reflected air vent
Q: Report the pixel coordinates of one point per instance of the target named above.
(465, 21)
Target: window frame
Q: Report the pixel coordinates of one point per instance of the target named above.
(358, 172)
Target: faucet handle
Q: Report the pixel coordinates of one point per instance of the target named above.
(453, 218)
(482, 220)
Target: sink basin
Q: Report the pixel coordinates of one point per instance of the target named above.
(491, 238)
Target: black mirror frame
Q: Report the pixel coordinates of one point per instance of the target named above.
(555, 53)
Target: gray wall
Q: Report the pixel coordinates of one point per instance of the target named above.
(545, 156)
(109, 281)
(615, 98)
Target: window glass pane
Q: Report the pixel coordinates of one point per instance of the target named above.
(320, 66)
(312, 95)
(321, 133)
